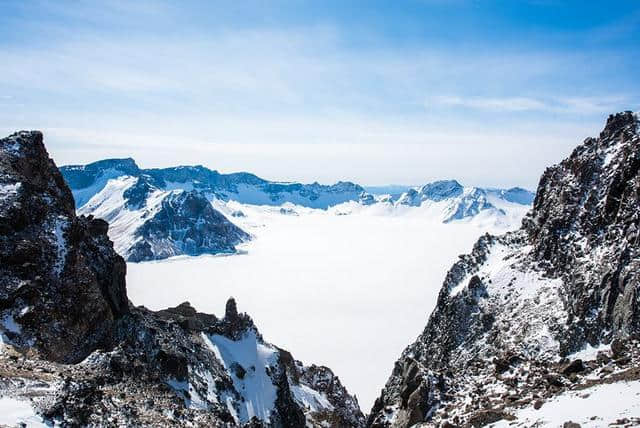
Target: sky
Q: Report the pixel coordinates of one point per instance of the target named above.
(487, 92)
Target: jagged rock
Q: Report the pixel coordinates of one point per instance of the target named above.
(486, 417)
(574, 366)
(567, 279)
(618, 348)
(75, 348)
(63, 286)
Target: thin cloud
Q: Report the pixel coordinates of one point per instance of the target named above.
(489, 103)
(567, 104)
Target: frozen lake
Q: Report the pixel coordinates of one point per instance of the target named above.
(349, 292)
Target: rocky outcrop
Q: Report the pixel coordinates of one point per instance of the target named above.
(585, 229)
(63, 286)
(511, 314)
(75, 349)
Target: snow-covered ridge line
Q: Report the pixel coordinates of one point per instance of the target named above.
(249, 189)
(242, 186)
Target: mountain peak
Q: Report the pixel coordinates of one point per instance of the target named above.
(620, 122)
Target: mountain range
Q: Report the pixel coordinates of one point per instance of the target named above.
(159, 213)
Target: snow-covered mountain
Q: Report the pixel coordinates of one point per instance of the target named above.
(133, 201)
(74, 351)
(148, 223)
(448, 201)
(87, 180)
(159, 213)
(463, 202)
(543, 315)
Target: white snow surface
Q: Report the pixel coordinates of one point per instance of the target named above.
(82, 196)
(9, 190)
(310, 398)
(597, 406)
(256, 358)
(14, 412)
(589, 352)
(329, 288)
(109, 204)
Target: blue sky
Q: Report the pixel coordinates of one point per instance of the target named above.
(489, 92)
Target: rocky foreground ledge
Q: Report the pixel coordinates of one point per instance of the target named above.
(74, 351)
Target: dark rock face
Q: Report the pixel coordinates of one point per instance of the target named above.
(510, 311)
(73, 346)
(185, 223)
(62, 283)
(585, 228)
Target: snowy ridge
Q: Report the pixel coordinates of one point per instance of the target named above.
(86, 180)
(592, 407)
(453, 200)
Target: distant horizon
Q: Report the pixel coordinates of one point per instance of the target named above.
(365, 186)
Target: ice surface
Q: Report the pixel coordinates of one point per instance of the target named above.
(329, 288)
(310, 398)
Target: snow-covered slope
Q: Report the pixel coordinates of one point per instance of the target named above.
(512, 315)
(148, 223)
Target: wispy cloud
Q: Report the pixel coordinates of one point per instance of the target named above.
(489, 103)
(567, 104)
